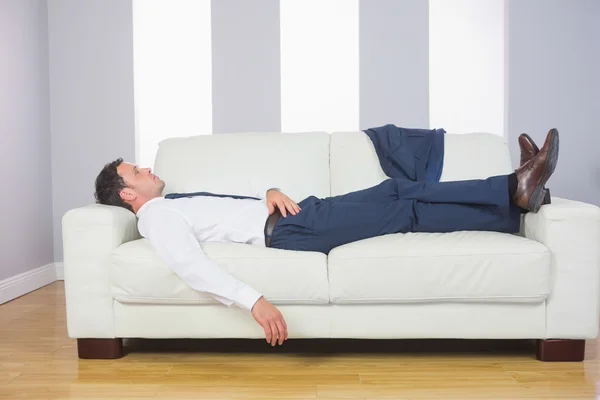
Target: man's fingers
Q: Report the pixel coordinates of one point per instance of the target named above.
(294, 207)
(267, 329)
(271, 208)
(282, 332)
(285, 328)
(275, 333)
(286, 204)
(290, 207)
(282, 209)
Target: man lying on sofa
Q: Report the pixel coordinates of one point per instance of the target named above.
(175, 224)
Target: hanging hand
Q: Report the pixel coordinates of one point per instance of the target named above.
(271, 319)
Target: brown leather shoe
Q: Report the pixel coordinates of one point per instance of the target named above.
(533, 175)
(529, 150)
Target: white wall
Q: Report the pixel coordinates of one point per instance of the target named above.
(319, 65)
(26, 201)
(467, 65)
(173, 84)
(91, 97)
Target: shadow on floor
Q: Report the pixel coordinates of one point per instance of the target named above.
(317, 347)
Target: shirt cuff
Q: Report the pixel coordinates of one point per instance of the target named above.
(246, 297)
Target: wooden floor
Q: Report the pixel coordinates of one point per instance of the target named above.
(39, 361)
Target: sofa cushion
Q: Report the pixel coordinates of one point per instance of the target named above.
(139, 274)
(244, 163)
(440, 267)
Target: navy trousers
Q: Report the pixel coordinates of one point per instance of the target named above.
(398, 205)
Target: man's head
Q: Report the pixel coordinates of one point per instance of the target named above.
(124, 184)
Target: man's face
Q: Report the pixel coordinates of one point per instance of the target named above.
(142, 184)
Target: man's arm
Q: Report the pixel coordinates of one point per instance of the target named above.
(174, 240)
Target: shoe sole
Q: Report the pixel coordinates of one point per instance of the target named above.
(539, 193)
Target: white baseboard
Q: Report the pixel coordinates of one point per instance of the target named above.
(60, 271)
(26, 282)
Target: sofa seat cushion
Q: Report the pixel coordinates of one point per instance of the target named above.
(440, 267)
(140, 275)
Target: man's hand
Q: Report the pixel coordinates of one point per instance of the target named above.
(271, 320)
(284, 203)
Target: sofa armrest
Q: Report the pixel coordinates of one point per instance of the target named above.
(571, 231)
(90, 234)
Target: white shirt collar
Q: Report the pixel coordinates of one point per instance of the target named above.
(148, 202)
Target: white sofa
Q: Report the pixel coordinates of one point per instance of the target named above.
(540, 284)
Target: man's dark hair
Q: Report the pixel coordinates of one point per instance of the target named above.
(109, 184)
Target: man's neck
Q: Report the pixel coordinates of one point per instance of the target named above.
(136, 207)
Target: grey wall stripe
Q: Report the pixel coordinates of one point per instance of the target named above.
(91, 97)
(394, 63)
(554, 52)
(246, 66)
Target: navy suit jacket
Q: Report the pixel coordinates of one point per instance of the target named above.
(409, 153)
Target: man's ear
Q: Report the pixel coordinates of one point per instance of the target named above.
(127, 194)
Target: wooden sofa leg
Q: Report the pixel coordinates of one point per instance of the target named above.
(560, 350)
(100, 348)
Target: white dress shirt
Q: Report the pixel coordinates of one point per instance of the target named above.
(175, 228)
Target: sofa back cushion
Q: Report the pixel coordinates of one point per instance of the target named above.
(244, 163)
(355, 165)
